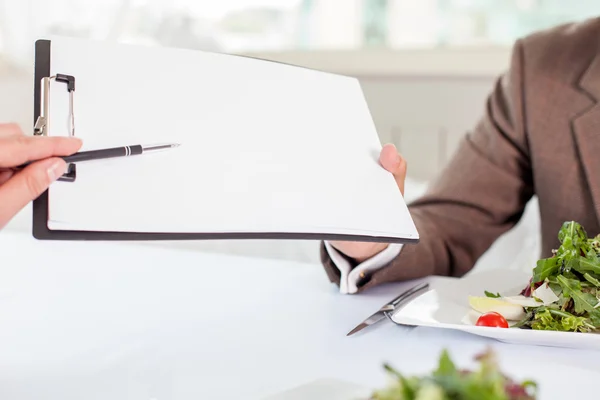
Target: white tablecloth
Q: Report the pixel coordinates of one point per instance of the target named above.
(123, 321)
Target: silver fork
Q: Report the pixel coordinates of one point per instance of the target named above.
(389, 308)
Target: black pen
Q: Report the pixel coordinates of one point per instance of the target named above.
(123, 151)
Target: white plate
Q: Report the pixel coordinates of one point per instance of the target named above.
(446, 306)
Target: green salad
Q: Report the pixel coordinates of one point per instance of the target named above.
(448, 382)
(573, 275)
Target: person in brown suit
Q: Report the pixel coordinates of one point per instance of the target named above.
(539, 135)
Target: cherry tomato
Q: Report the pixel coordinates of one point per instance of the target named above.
(492, 319)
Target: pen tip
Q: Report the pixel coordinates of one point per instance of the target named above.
(175, 145)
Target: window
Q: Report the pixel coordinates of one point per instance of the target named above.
(278, 25)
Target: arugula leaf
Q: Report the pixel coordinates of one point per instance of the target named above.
(592, 280)
(583, 301)
(595, 319)
(584, 265)
(573, 237)
(574, 243)
(545, 268)
(591, 254)
(490, 294)
(555, 286)
(446, 366)
(447, 375)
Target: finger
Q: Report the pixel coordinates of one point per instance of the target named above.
(10, 130)
(358, 251)
(5, 175)
(26, 185)
(392, 161)
(17, 150)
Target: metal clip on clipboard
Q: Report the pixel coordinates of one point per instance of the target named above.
(41, 125)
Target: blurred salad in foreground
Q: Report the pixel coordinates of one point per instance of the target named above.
(448, 382)
(562, 294)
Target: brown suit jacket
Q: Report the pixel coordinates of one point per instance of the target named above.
(539, 135)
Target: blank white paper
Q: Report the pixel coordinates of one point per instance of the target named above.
(265, 147)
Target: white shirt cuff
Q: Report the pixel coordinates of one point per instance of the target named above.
(350, 277)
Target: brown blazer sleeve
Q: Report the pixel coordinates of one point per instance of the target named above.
(480, 195)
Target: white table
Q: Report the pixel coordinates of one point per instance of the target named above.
(127, 321)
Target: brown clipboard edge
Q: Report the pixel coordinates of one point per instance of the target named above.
(41, 231)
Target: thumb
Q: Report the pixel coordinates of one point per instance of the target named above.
(393, 162)
(27, 185)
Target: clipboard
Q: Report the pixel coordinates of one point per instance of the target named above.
(41, 229)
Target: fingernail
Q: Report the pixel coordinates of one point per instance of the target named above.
(56, 170)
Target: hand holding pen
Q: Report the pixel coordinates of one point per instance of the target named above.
(19, 188)
(30, 164)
